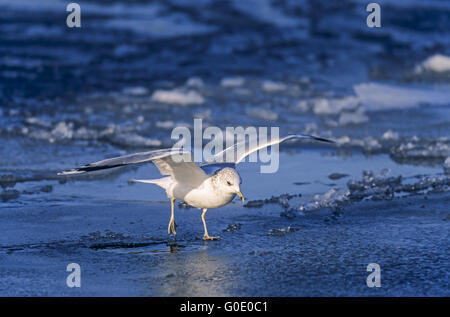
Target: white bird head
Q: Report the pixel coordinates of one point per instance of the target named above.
(229, 180)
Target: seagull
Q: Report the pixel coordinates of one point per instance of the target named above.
(205, 186)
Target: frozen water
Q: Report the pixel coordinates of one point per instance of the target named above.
(133, 72)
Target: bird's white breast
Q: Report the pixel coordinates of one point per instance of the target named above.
(205, 196)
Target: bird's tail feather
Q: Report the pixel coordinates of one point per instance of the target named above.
(161, 182)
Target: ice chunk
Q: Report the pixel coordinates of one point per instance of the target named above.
(281, 232)
(271, 86)
(262, 114)
(232, 82)
(63, 131)
(421, 150)
(322, 106)
(85, 134)
(205, 114)
(356, 117)
(383, 97)
(140, 119)
(178, 97)
(379, 186)
(169, 124)
(390, 135)
(233, 227)
(331, 199)
(136, 91)
(38, 122)
(41, 135)
(133, 140)
(436, 63)
(7, 180)
(344, 140)
(9, 194)
(195, 82)
(447, 165)
(370, 144)
(301, 106)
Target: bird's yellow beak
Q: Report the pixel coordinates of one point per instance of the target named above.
(240, 196)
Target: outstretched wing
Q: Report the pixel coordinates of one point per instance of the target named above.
(239, 151)
(174, 162)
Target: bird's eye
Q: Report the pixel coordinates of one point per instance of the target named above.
(229, 184)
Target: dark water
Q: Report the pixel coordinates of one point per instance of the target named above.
(133, 72)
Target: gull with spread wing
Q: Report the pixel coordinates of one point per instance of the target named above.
(205, 186)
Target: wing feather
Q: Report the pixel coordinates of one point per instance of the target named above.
(174, 162)
(239, 151)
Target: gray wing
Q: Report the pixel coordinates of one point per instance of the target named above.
(237, 152)
(174, 162)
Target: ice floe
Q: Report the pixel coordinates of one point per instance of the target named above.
(178, 97)
(420, 150)
(374, 96)
(373, 186)
(136, 91)
(447, 165)
(324, 106)
(262, 114)
(231, 82)
(357, 117)
(436, 63)
(195, 82)
(272, 86)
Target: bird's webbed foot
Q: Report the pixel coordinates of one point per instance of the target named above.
(172, 227)
(207, 237)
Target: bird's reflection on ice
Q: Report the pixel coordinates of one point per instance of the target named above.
(199, 273)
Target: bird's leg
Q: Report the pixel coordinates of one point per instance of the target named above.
(172, 224)
(206, 236)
